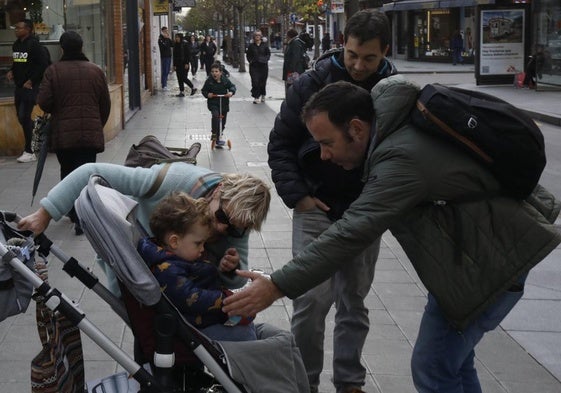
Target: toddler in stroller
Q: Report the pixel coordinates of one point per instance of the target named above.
(181, 225)
(110, 224)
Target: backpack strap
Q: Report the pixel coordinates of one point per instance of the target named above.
(158, 182)
(453, 133)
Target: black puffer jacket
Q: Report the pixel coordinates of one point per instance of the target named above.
(294, 157)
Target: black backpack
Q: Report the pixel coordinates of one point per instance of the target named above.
(495, 132)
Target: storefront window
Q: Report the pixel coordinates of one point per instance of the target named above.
(440, 31)
(90, 18)
(547, 42)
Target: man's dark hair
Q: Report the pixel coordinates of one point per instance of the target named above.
(164, 28)
(291, 33)
(343, 101)
(28, 23)
(366, 25)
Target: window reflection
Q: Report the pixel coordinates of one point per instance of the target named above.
(90, 18)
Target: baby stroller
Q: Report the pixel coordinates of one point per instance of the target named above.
(165, 339)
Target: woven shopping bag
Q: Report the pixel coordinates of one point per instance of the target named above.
(59, 367)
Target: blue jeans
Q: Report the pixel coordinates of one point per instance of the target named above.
(220, 332)
(347, 289)
(166, 67)
(443, 357)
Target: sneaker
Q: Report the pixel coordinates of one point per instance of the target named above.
(27, 157)
(165, 88)
(193, 91)
(256, 101)
(180, 95)
(220, 143)
(262, 98)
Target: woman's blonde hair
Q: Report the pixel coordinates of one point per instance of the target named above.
(248, 199)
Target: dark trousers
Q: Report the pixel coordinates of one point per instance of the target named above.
(24, 100)
(259, 72)
(181, 74)
(71, 159)
(215, 123)
(194, 65)
(208, 62)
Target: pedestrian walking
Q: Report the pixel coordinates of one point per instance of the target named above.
(194, 49)
(181, 64)
(325, 42)
(28, 65)
(457, 46)
(166, 47)
(208, 50)
(293, 65)
(74, 91)
(258, 55)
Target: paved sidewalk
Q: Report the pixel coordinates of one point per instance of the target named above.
(521, 357)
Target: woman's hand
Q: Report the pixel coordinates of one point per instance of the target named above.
(35, 222)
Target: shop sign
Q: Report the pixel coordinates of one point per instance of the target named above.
(337, 6)
(502, 41)
(160, 7)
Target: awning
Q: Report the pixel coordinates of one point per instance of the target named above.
(423, 4)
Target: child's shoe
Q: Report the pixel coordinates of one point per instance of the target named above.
(220, 144)
(256, 101)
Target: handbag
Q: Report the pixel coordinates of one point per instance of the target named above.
(150, 151)
(59, 366)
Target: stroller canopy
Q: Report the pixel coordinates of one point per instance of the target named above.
(109, 222)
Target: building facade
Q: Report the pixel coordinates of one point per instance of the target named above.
(117, 37)
(422, 31)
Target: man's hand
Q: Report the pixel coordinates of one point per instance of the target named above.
(309, 203)
(229, 261)
(36, 222)
(255, 298)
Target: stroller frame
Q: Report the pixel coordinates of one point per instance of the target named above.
(57, 301)
(110, 225)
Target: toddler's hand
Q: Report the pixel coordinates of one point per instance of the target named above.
(230, 260)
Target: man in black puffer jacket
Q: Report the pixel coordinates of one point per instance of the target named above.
(319, 192)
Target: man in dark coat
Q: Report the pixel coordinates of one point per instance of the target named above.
(75, 93)
(27, 69)
(208, 50)
(293, 64)
(312, 187)
(166, 45)
(181, 64)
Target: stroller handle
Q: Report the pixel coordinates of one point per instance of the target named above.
(10, 216)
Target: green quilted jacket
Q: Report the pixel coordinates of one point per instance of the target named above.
(405, 172)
